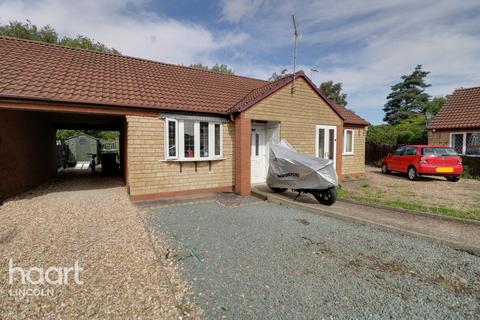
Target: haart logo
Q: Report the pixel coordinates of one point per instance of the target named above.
(39, 276)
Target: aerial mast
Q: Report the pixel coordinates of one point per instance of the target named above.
(295, 34)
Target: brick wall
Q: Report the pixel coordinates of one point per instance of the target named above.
(243, 127)
(27, 151)
(354, 165)
(149, 176)
(439, 138)
(298, 115)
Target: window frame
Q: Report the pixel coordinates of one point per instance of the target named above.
(213, 140)
(464, 135)
(408, 148)
(464, 145)
(167, 139)
(399, 148)
(180, 141)
(345, 152)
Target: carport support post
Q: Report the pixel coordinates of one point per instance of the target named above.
(243, 127)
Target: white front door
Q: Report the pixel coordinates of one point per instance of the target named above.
(326, 142)
(258, 154)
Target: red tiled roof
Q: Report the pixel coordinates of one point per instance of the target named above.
(262, 92)
(33, 70)
(47, 72)
(349, 117)
(256, 95)
(462, 110)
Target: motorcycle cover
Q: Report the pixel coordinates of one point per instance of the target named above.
(290, 169)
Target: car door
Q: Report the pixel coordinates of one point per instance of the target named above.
(395, 160)
(408, 158)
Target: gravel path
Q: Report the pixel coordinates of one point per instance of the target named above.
(89, 220)
(265, 261)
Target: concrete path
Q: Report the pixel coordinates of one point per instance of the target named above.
(453, 233)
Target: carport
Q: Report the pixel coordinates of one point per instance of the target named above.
(28, 153)
(46, 87)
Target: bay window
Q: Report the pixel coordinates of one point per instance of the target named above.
(196, 140)
(466, 143)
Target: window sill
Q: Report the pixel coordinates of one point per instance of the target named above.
(348, 154)
(193, 160)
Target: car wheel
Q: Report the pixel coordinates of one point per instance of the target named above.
(453, 178)
(412, 173)
(385, 169)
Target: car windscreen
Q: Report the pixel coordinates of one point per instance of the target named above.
(443, 152)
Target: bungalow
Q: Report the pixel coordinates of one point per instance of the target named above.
(458, 123)
(182, 130)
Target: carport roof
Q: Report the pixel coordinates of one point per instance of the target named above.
(48, 72)
(33, 70)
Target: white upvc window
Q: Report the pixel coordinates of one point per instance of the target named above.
(466, 143)
(171, 139)
(193, 140)
(348, 141)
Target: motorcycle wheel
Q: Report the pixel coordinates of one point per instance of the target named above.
(326, 197)
(278, 190)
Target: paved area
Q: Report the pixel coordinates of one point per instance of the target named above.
(454, 233)
(89, 220)
(265, 261)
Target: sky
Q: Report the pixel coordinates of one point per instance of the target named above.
(365, 44)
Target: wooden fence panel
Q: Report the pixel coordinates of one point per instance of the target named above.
(374, 153)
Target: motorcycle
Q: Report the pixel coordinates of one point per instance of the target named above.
(301, 173)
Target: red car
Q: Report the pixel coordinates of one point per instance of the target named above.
(416, 161)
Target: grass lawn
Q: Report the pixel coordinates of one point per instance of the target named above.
(433, 195)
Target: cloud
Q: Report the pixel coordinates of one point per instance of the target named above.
(125, 25)
(368, 45)
(234, 10)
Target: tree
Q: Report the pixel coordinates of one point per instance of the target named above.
(29, 31)
(279, 76)
(408, 97)
(434, 106)
(333, 91)
(64, 134)
(87, 43)
(199, 66)
(47, 34)
(406, 131)
(220, 68)
(382, 134)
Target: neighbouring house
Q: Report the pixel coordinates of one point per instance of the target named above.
(81, 146)
(182, 130)
(458, 125)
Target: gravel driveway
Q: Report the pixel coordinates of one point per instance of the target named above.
(92, 221)
(265, 261)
